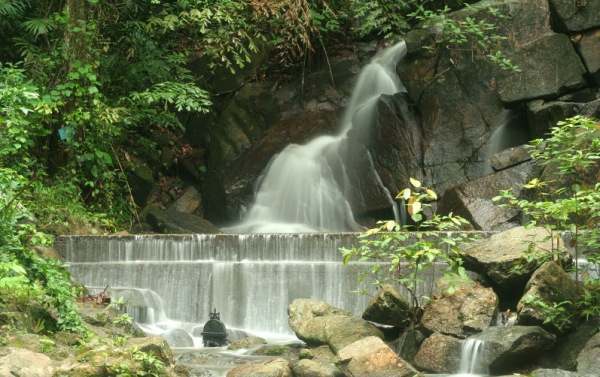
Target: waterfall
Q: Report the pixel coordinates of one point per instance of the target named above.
(298, 191)
(472, 358)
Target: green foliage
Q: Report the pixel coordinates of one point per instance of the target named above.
(24, 276)
(474, 32)
(567, 198)
(402, 254)
(558, 314)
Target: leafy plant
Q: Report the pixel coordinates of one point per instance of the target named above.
(403, 253)
(566, 199)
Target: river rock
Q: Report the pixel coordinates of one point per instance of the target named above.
(588, 361)
(497, 256)
(246, 343)
(388, 307)
(508, 348)
(473, 199)
(311, 368)
(439, 354)
(408, 344)
(589, 48)
(548, 285)
(272, 368)
(470, 309)
(24, 363)
(316, 322)
(372, 357)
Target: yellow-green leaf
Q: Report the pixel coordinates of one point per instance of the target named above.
(431, 193)
(415, 182)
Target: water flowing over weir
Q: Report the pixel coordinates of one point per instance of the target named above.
(250, 279)
(303, 187)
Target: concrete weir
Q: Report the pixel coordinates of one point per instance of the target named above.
(249, 278)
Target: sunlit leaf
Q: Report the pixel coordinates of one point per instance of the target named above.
(415, 182)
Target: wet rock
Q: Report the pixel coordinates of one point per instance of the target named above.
(372, 357)
(575, 16)
(510, 157)
(507, 348)
(311, 368)
(470, 309)
(588, 361)
(272, 368)
(24, 363)
(548, 285)
(388, 307)
(317, 323)
(322, 354)
(473, 200)
(439, 354)
(496, 257)
(141, 181)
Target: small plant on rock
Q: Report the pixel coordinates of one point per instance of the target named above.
(401, 254)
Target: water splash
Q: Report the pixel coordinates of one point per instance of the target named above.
(299, 192)
(472, 358)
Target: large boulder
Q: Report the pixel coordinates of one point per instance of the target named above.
(439, 354)
(549, 285)
(589, 48)
(503, 258)
(469, 309)
(24, 363)
(372, 357)
(316, 323)
(473, 199)
(507, 348)
(388, 307)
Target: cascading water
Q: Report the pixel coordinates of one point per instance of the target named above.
(302, 189)
(471, 359)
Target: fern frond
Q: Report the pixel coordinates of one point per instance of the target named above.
(13, 8)
(38, 26)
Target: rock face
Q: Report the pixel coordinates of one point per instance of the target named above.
(506, 348)
(388, 307)
(439, 354)
(548, 285)
(470, 309)
(172, 222)
(317, 323)
(372, 357)
(496, 257)
(473, 199)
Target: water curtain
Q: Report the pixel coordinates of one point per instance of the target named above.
(303, 187)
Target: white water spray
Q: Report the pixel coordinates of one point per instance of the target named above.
(298, 191)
